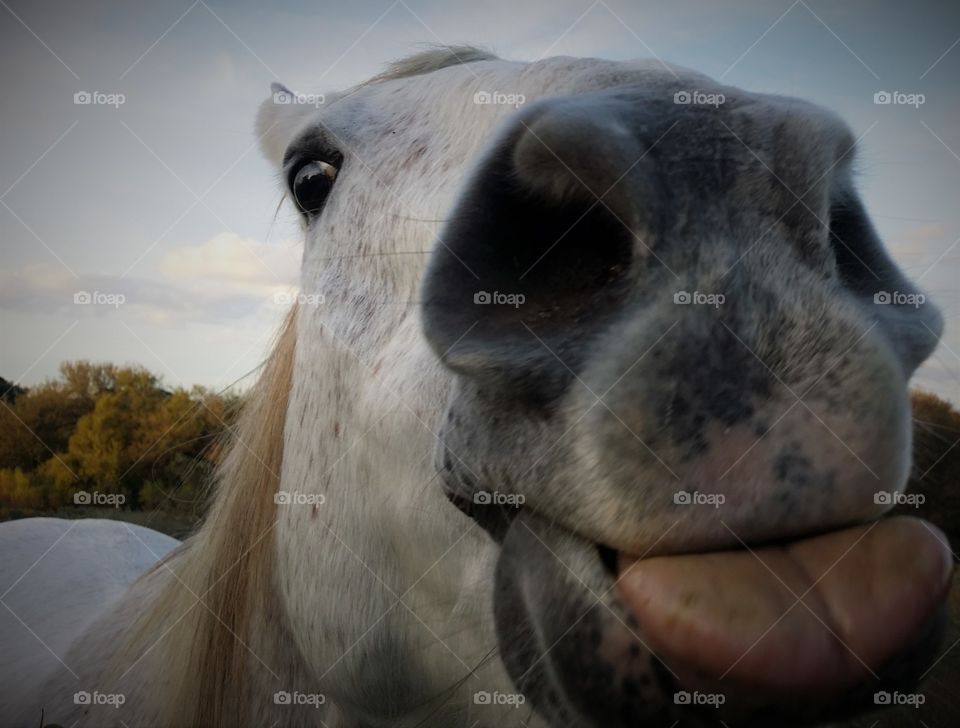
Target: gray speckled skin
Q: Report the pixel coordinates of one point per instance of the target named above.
(789, 398)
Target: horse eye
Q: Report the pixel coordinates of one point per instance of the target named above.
(312, 184)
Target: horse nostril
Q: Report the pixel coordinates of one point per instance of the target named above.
(524, 269)
(567, 150)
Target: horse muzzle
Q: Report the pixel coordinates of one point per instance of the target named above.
(683, 438)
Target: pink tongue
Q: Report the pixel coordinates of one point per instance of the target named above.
(863, 595)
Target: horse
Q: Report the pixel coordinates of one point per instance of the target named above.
(590, 412)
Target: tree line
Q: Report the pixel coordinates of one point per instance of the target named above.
(101, 434)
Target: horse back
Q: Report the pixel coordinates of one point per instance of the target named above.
(56, 577)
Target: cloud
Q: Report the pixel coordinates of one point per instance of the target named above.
(923, 240)
(225, 279)
(241, 265)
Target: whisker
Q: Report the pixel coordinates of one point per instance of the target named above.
(447, 693)
(371, 255)
(934, 424)
(414, 219)
(276, 212)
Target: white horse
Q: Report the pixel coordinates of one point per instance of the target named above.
(608, 447)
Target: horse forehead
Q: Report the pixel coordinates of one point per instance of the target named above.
(422, 134)
(446, 98)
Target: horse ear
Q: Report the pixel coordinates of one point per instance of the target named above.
(279, 118)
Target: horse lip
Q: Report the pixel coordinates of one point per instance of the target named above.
(864, 599)
(547, 581)
(740, 546)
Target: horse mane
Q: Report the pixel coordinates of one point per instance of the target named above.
(432, 59)
(222, 572)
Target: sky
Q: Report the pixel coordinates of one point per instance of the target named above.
(156, 194)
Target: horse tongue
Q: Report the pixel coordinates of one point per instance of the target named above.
(864, 593)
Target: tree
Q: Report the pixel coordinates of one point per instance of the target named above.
(111, 429)
(936, 462)
(17, 491)
(38, 422)
(88, 380)
(9, 391)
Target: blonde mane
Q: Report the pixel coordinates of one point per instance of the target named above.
(226, 564)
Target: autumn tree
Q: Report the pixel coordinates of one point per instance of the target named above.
(99, 427)
(936, 461)
(39, 421)
(9, 391)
